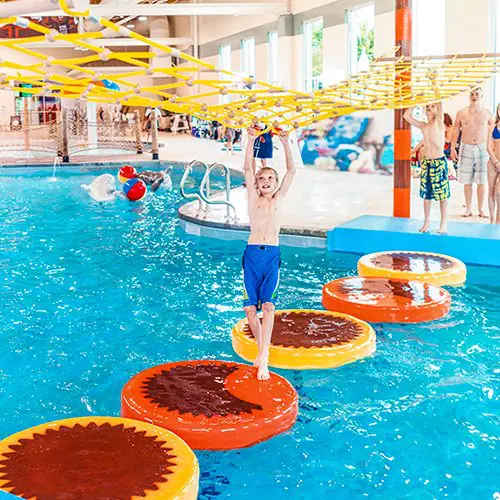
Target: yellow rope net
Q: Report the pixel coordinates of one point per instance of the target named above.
(391, 82)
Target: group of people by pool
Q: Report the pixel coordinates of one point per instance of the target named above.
(477, 158)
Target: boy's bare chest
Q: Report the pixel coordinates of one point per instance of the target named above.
(434, 129)
(265, 208)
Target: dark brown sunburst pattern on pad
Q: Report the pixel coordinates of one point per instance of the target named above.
(305, 329)
(412, 262)
(92, 462)
(196, 389)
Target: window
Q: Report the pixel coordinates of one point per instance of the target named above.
(272, 57)
(225, 57)
(429, 39)
(312, 37)
(496, 48)
(429, 27)
(248, 57)
(224, 63)
(361, 22)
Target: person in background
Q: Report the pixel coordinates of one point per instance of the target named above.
(150, 115)
(215, 130)
(228, 134)
(156, 179)
(263, 146)
(494, 171)
(123, 121)
(434, 182)
(237, 135)
(476, 124)
(448, 134)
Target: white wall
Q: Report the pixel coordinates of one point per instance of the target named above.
(335, 49)
(385, 33)
(298, 6)
(216, 27)
(469, 30)
(286, 60)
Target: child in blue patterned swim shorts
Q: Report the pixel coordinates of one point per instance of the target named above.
(434, 183)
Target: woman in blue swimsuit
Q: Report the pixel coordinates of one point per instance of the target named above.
(494, 172)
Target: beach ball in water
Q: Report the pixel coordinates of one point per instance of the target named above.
(135, 189)
(127, 172)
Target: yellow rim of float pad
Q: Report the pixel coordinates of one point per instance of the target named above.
(182, 483)
(454, 276)
(308, 357)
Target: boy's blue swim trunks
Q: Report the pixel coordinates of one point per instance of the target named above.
(261, 271)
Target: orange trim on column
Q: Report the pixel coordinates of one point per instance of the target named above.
(402, 202)
(402, 130)
(402, 144)
(403, 24)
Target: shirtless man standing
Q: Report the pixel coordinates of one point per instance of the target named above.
(261, 260)
(476, 124)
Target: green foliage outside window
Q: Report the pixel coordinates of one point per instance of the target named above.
(366, 41)
(317, 51)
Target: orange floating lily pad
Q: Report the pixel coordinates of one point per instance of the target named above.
(308, 339)
(433, 268)
(382, 300)
(212, 405)
(98, 458)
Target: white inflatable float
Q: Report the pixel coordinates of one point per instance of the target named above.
(102, 188)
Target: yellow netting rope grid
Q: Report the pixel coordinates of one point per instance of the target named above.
(391, 82)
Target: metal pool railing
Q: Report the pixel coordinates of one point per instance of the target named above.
(204, 194)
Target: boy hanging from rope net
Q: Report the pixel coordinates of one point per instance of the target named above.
(262, 258)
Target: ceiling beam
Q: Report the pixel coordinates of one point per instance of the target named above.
(111, 42)
(179, 9)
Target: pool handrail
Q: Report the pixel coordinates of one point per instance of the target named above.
(204, 195)
(185, 175)
(205, 188)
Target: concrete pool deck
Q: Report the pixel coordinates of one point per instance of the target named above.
(318, 200)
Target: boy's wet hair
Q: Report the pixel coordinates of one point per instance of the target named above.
(271, 170)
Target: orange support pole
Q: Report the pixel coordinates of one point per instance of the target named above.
(402, 130)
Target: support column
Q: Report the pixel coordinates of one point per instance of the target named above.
(402, 129)
(154, 135)
(137, 129)
(92, 124)
(59, 134)
(65, 139)
(26, 125)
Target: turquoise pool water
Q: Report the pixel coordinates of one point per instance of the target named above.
(93, 293)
